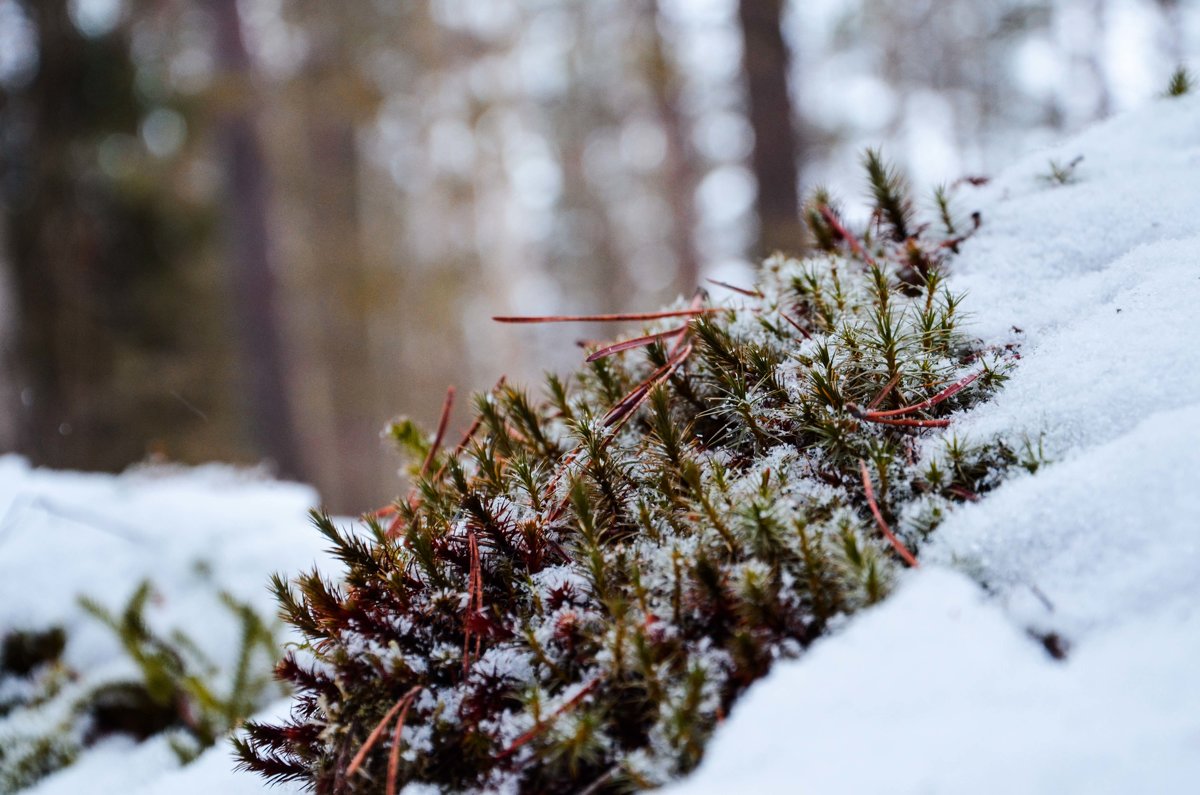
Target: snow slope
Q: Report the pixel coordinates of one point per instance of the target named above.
(942, 689)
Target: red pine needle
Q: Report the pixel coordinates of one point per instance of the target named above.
(735, 288)
(945, 394)
(462, 443)
(907, 423)
(447, 404)
(966, 494)
(606, 318)
(891, 384)
(887, 531)
(475, 602)
(541, 726)
(795, 325)
(637, 342)
(679, 352)
(846, 234)
(373, 737)
(394, 754)
(628, 404)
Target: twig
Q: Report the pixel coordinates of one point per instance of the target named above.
(887, 531)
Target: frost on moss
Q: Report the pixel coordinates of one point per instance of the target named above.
(574, 596)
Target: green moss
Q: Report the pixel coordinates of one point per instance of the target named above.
(1181, 83)
(576, 595)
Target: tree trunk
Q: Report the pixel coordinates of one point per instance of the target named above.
(36, 273)
(336, 288)
(678, 168)
(766, 62)
(249, 245)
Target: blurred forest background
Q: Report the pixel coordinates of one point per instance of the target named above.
(257, 230)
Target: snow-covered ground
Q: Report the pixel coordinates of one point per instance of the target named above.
(943, 688)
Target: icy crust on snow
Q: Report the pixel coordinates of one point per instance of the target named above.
(192, 533)
(945, 689)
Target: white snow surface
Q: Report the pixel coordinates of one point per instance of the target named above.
(942, 689)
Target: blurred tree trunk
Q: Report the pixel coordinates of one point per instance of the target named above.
(766, 61)
(247, 225)
(46, 259)
(678, 169)
(337, 290)
(75, 277)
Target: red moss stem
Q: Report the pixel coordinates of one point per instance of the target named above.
(373, 737)
(475, 601)
(795, 325)
(891, 384)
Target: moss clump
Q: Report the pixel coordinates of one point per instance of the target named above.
(572, 598)
(1180, 83)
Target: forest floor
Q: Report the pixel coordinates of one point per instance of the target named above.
(1048, 642)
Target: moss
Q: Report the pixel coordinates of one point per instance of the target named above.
(26, 760)
(23, 651)
(574, 596)
(1181, 83)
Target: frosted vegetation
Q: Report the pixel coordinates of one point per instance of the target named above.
(579, 593)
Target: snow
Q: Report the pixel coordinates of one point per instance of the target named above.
(938, 691)
(192, 533)
(945, 687)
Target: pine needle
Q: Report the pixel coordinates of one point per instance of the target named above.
(605, 318)
(869, 491)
